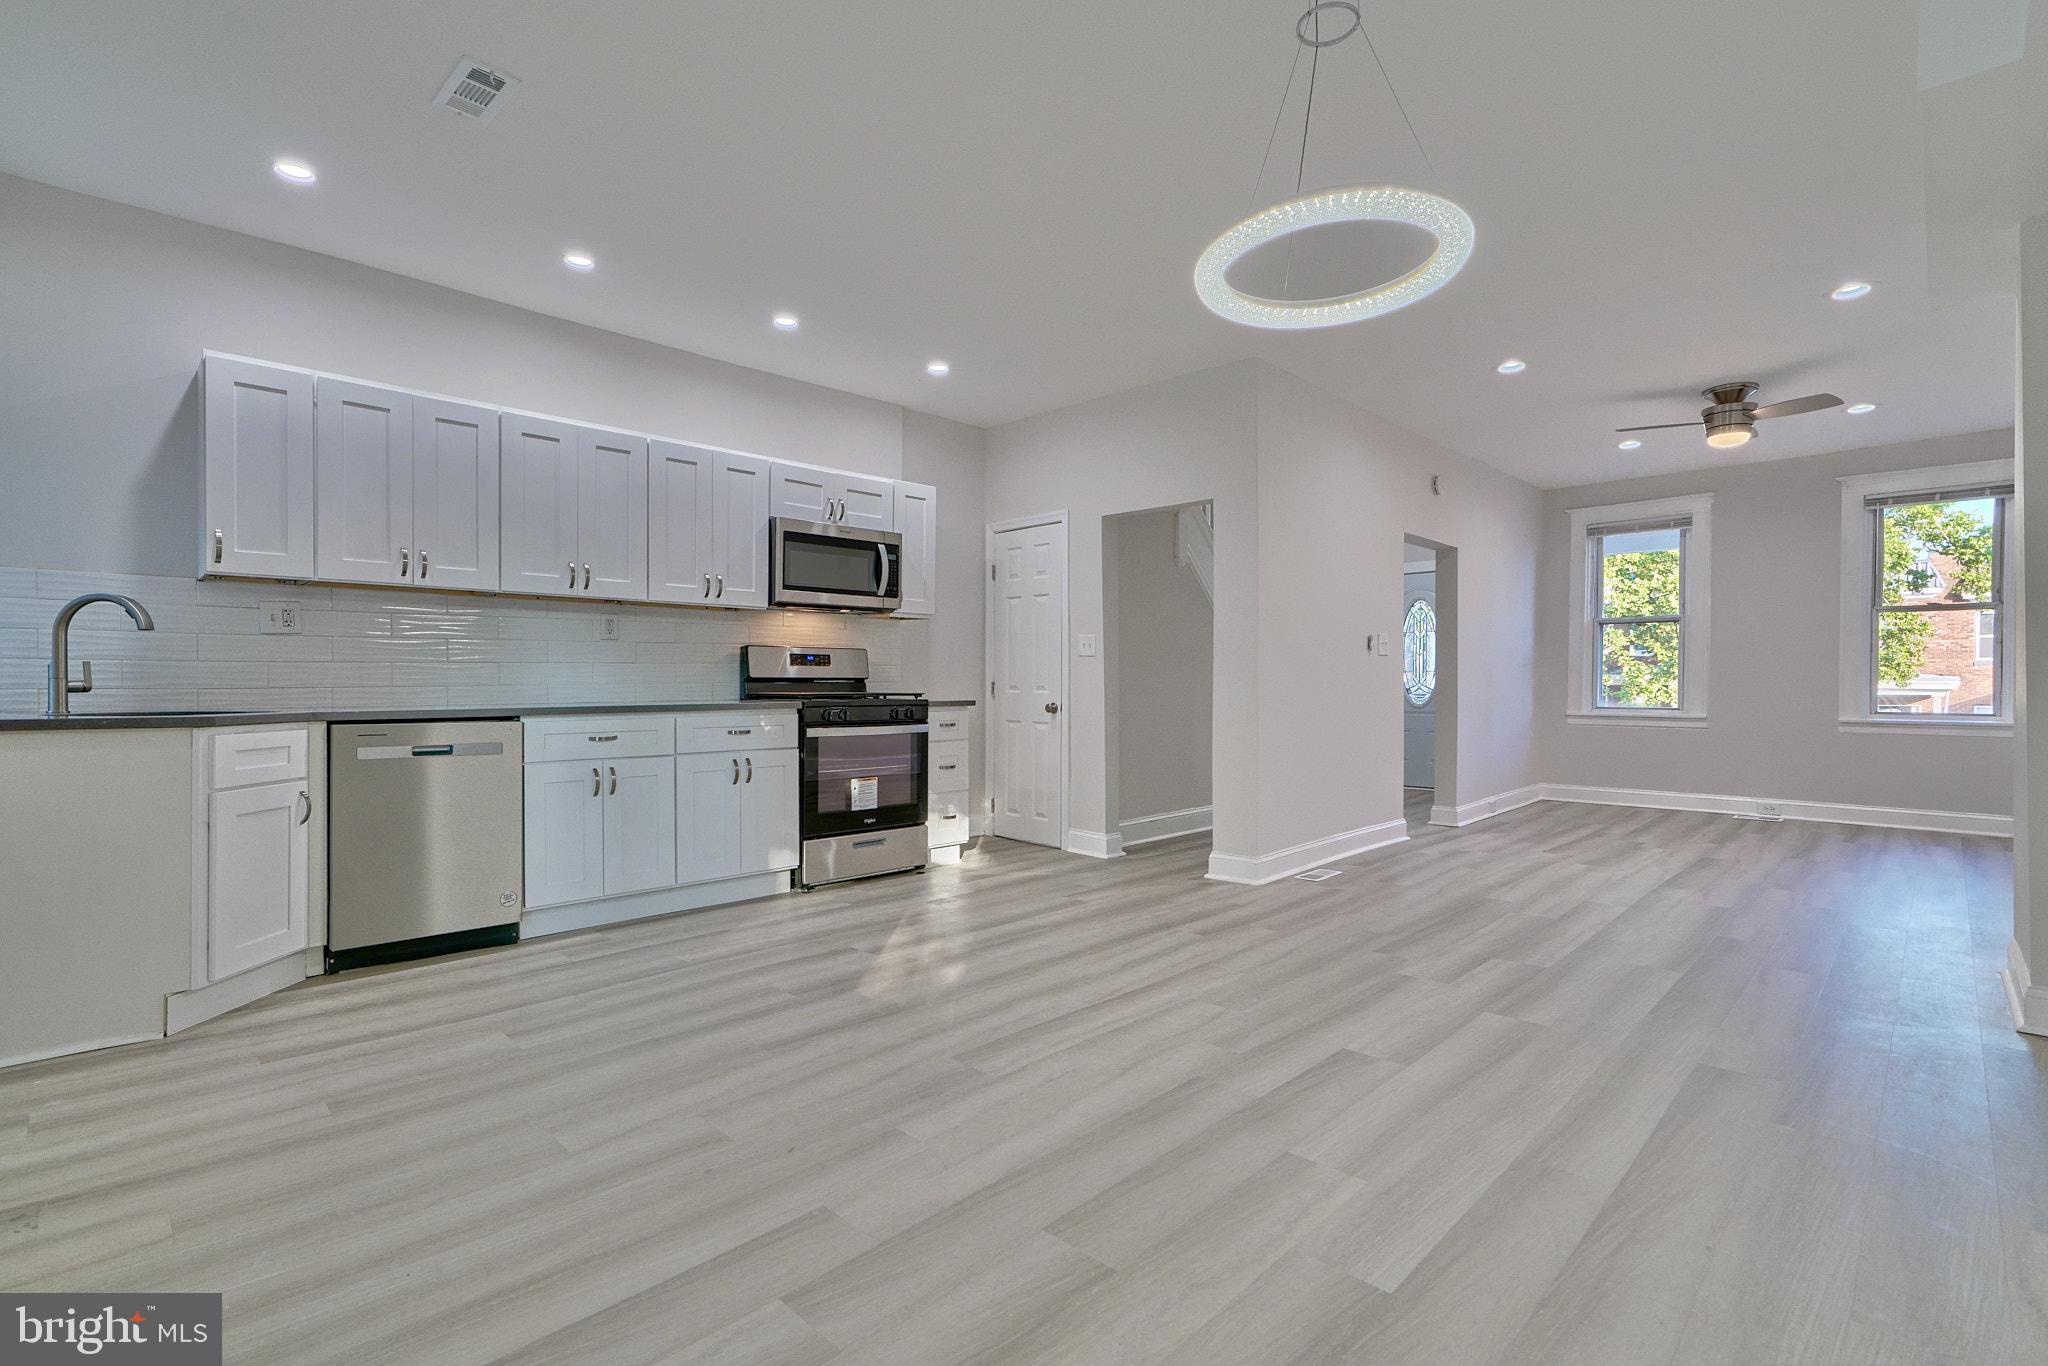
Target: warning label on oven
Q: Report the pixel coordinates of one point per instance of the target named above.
(863, 794)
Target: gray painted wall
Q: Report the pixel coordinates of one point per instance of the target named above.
(1773, 728)
(1164, 643)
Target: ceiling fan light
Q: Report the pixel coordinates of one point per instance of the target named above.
(1730, 436)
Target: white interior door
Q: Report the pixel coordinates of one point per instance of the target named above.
(1418, 680)
(1028, 732)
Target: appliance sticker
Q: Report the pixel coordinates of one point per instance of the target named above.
(863, 794)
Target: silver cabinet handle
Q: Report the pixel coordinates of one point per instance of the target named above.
(423, 566)
(947, 768)
(596, 782)
(572, 576)
(948, 725)
(586, 576)
(219, 544)
(404, 563)
(1052, 708)
(750, 770)
(600, 739)
(615, 780)
(707, 585)
(748, 731)
(735, 773)
(721, 586)
(305, 808)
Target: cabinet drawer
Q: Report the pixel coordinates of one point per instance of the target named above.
(710, 732)
(948, 766)
(271, 756)
(955, 723)
(598, 737)
(946, 819)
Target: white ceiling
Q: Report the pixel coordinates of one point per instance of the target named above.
(1663, 195)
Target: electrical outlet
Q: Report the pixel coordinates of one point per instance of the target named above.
(1087, 647)
(278, 619)
(607, 627)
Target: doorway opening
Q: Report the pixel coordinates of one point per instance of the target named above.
(1420, 622)
(1158, 668)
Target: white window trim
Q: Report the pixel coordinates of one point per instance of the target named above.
(1859, 555)
(1695, 590)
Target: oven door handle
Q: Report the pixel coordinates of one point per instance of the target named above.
(819, 733)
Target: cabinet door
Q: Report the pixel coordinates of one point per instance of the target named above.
(537, 505)
(564, 833)
(639, 825)
(869, 504)
(917, 521)
(611, 513)
(256, 877)
(363, 463)
(680, 495)
(807, 495)
(739, 530)
(455, 495)
(257, 437)
(768, 801)
(709, 793)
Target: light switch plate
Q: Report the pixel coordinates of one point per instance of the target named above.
(1087, 647)
(279, 619)
(607, 627)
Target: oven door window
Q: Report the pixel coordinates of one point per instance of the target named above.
(858, 780)
(828, 564)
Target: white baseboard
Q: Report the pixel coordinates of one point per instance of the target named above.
(615, 910)
(1167, 825)
(2028, 1003)
(1840, 813)
(1094, 844)
(1470, 813)
(184, 1009)
(66, 1050)
(1256, 872)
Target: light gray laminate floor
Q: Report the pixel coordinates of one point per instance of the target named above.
(1574, 1085)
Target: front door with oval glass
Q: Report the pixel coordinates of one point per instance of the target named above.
(1418, 680)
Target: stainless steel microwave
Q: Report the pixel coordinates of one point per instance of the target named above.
(823, 564)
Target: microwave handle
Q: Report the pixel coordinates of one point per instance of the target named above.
(881, 567)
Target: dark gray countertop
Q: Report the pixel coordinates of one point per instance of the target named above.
(200, 720)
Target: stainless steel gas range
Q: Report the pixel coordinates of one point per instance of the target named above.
(865, 754)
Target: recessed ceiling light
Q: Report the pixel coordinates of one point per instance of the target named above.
(297, 172)
(937, 369)
(1853, 289)
(576, 260)
(1860, 408)
(1630, 445)
(785, 322)
(1512, 367)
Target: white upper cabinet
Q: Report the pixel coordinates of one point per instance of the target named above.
(813, 495)
(455, 495)
(537, 501)
(363, 461)
(611, 513)
(679, 522)
(707, 520)
(917, 513)
(257, 437)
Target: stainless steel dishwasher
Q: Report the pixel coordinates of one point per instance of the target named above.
(424, 830)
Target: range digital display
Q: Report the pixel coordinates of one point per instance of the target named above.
(801, 659)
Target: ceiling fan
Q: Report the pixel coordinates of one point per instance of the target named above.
(1731, 414)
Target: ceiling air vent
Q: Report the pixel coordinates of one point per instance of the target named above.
(476, 90)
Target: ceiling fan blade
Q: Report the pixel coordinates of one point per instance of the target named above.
(1660, 426)
(1793, 407)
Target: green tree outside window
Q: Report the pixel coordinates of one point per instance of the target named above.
(1912, 534)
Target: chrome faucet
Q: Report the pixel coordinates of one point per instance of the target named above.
(61, 686)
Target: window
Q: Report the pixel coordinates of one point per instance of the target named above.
(1639, 638)
(1923, 597)
(1418, 652)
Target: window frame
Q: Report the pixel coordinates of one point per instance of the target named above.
(1997, 634)
(1862, 583)
(1588, 524)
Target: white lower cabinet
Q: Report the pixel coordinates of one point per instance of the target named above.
(256, 904)
(639, 825)
(658, 801)
(948, 818)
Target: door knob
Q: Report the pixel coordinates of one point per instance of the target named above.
(1052, 708)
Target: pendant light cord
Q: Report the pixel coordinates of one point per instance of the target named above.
(1309, 109)
(1427, 163)
(1278, 115)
